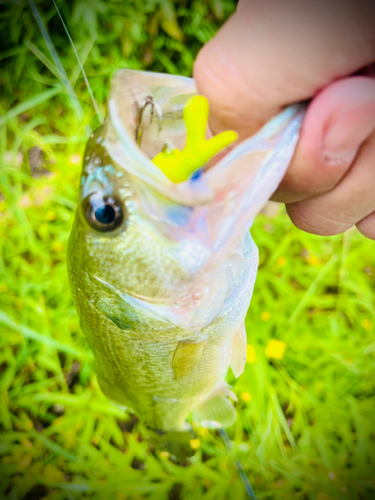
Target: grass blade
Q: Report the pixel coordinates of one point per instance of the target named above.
(95, 104)
(39, 54)
(28, 333)
(312, 288)
(30, 103)
(47, 39)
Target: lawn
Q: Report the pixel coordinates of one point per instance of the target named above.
(305, 427)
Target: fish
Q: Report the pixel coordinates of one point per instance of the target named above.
(162, 272)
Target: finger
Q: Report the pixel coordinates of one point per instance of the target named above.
(338, 120)
(273, 53)
(348, 203)
(367, 226)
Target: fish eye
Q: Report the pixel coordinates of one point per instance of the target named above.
(103, 213)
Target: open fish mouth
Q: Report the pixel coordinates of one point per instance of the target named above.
(208, 216)
(221, 203)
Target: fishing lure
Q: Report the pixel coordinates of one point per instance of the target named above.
(161, 262)
(179, 165)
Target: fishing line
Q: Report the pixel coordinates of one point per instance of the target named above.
(95, 104)
(63, 76)
(237, 463)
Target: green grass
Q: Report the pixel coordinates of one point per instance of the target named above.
(306, 429)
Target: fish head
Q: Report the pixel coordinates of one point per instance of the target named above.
(172, 250)
(121, 245)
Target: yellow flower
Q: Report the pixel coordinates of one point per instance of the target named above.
(164, 455)
(195, 444)
(275, 349)
(367, 324)
(57, 247)
(246, 397)
(313, 261)
(250, 354)
(265, 316)
(50, 216)
(281, 261)
(204, 432)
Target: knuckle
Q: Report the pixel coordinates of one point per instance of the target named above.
(204, 67)
(293, 190)
(314, 221)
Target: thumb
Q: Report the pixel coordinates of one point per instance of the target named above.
(270, 54)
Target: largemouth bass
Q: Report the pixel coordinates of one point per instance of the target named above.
(162, 273)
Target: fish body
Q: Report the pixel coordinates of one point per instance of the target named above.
(161, 273)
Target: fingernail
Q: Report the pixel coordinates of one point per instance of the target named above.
(346, 130)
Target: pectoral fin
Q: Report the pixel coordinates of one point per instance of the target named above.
(186, 357)
(238, 352)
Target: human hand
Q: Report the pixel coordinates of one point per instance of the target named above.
(277, 52)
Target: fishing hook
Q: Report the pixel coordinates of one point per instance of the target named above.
(154, 107)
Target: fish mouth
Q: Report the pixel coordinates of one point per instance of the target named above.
(211, 213)
(170, 93)
(225, 198)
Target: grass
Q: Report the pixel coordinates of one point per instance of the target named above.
(305, 426)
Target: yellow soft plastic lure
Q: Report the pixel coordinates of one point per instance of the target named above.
(178, 165)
